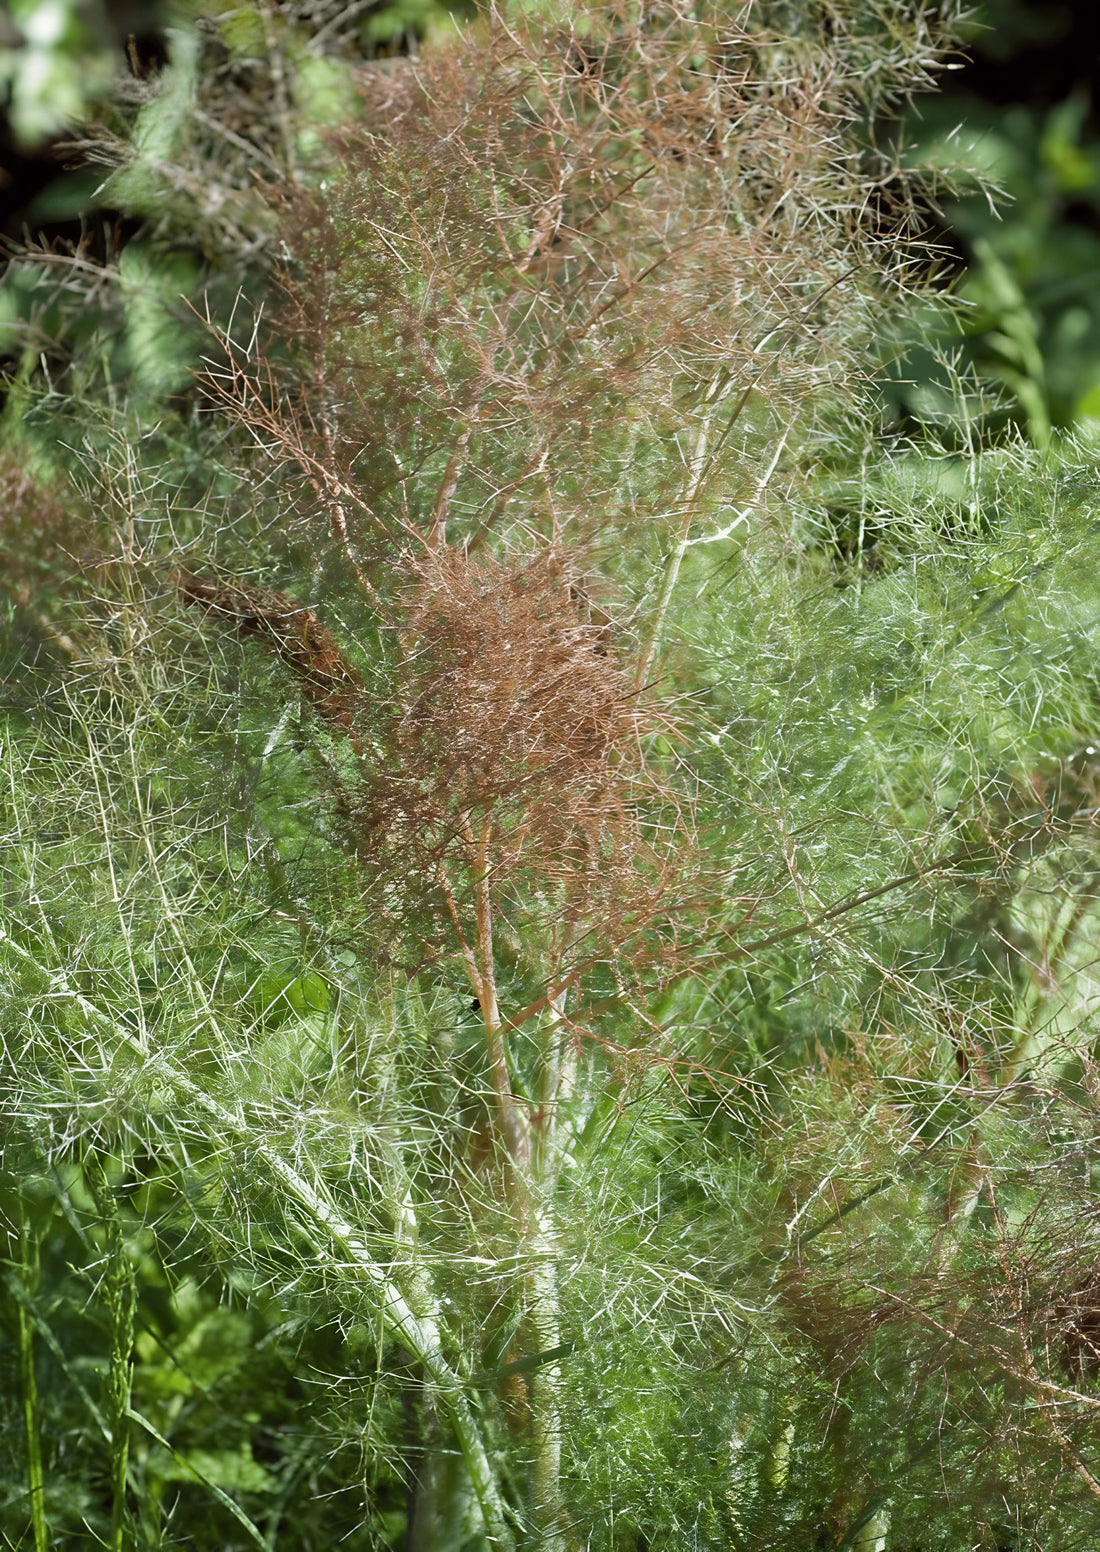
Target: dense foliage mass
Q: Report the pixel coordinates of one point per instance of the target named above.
(546, 940)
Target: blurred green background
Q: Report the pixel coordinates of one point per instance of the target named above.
(1014, 137)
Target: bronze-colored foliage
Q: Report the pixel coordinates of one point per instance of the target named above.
(544, 254)
(307, 647)
(507, 750)
(1078, 1319)
(510, 710)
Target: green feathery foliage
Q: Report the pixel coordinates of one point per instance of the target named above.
(547, 902)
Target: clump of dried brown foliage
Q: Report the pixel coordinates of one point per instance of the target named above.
(514, 746)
